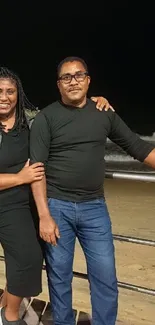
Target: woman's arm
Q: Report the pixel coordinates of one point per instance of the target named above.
(27, 175)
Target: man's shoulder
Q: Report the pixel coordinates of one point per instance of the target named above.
(45, 115)
(92, 106)
(51, 108)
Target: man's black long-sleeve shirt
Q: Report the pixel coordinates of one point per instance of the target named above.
(71, 142)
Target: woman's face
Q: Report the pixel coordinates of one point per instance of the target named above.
(8, 97)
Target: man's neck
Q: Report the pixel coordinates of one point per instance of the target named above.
(79, 104)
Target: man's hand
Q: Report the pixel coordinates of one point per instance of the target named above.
(49, 230)
(31, 173)
(102, 103)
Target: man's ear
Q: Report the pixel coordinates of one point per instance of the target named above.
(89, 80)
(58, 82)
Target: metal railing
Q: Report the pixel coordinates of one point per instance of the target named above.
(141, 241)
(135, 240)
(145, 177)
(133, 176)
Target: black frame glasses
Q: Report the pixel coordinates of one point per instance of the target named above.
(78, 76)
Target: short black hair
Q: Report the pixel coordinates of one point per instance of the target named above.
(22, 101)
(71, 59)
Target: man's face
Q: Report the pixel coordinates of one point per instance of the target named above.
(8, 97)
(73, 82)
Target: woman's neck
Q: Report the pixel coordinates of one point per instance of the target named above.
(8, 122)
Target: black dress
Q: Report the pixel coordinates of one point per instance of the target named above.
(23, 255)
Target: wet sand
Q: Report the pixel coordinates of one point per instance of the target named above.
(132, 210)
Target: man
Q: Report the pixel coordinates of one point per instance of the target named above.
(69, 137)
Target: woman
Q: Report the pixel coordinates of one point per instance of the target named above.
(23, 255)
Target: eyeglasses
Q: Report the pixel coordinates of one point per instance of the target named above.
(78, 76)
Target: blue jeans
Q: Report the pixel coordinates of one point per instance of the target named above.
(90, 223)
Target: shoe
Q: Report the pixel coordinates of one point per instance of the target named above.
(4, 321)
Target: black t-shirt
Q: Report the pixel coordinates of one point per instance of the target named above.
(14, 152)
(71, 142)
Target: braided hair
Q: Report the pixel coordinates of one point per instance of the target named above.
(22, 101)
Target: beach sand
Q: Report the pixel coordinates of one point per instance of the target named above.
(132, 209)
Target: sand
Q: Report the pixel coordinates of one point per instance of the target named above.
(132, 210)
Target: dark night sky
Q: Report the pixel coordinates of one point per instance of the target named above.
(118, 46)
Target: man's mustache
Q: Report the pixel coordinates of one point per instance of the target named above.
(75, 88)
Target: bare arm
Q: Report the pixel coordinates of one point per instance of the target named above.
(48, 229)
(9, 180)
(27, 175)
(150, 159)
(40, 197)
(40, 139)
(39, 150)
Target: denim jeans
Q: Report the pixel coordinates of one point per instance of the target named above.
(90, 223)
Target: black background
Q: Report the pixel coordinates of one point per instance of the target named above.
(117, 42)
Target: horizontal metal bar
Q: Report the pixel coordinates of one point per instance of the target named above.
(134, 240)
(123, 285)
(136, 288)
(130, 176)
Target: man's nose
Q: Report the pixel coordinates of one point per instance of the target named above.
(74, 81)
